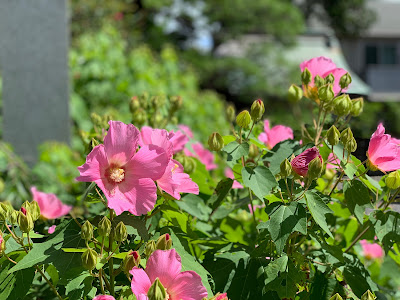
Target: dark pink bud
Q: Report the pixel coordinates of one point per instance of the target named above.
(135, 254)
(300, 162)
(167, 237)
(23, 210)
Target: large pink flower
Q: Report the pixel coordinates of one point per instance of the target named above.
(125, 175)
(383, 151)
(371, 250)
(323, 66)
(166, 266)
(236, 184)
(300, 162)
(177, 139)
(278, 133)
(104, 297)
(205, 156)
(50, 206)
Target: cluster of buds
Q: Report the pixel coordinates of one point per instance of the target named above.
(25, 217)
(244, 118)
(333, 137)
(164, 242)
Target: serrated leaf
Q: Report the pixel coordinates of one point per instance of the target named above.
(387, 227)
(318, 210)
(278, 154)
(222, 189)
(236, 150)
(260, 180)
(357, 198)
(274, 268)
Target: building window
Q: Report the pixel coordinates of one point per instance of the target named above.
(381, 54)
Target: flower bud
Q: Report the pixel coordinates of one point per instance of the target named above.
(176, 103)
(132, 259)
(87, 231)
(315, 168)
(346, 136)
(333, 135)
(336, 297)
(157, 291)
(164, 242)
(215, 142)
(330, 79)
(342, 105)
(34, 209)
(257, 110)
(295, 93)
(393, 180)
(306, 76)
(243, 119)
(89, 259)
(139, 117)
(286, 168)
(150, 248)
(345, 81)
(120, 232)
(2, 245)
(230, 113)
(326, 93)
(134, 104)
(319, 81)
(3, 211)
(368, 296)
(13, 216)
(25, 221)
(357, 107)
(351, 145)
(104, 227)
(300, 163)
(253, 151)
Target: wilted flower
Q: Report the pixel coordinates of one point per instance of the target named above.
(278, 133)
(202, 154)
(371, 250)
(50, 206)
(300, 162)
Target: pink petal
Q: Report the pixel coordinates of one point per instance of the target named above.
(149, 162)
(140, 283)
(95, 165)
(263, 137)
(229, 174)
(205, 156)
(164, 265)
(187, 286)
(178, 140)
(145, 135)
(278, 134)
(51, 229)
(266, 126)
(166, 182)
(104, 297)
(317, 66)
(121, 142)
(301, 161)
(186, 130)
(142, 297)
(50, 206)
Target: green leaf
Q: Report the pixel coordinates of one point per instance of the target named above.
(260, 180)
(228, 139)
(357, 198)
(195, 206)
(318, 210)
(222, 189)
(323, 288)
(236, 150)
(278, 154)
(387, 227)
(286, 220)
(274, 268)
(76, 288)
(53, 273)
(202, 177)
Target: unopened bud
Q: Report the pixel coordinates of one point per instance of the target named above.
(5, 210)
(25, 221)
(315, 168)
(306, 76)
(104, 227)
(318, 81)
(13, 216)
(230, 113)
(215, 142)
(150, 248)
(295, 93)
(164, 242)
(157, 291)
(96, 119)
(253, 151)
(326, 93)
(346, 136)
(159, 101)
(257, 110)
(330, 79)
(176, 103)
(357, 107)
(351, 145)
(336, 297)
(89, 259)
(139, 117)
(132, 259)
(345, 81)
(243, 119)
(286, 168)
(34, 209)
(134, 104)
(393, 180)
(333, 135)
(342, 105)
(87, 231)
(368, 296)
(120, 232)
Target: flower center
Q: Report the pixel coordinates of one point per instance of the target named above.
(115, 174)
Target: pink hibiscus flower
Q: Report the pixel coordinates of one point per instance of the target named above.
(177, 139)
(202, 154)
(166, 266)
(104, 297)
(383, 151)
(229, 173)
(371, 250)
(323, 66)
(300, 162)
(50, 206)
(186, 130)
(126, 176)
(278, 133)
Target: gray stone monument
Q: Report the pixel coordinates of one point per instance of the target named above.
(34, 37)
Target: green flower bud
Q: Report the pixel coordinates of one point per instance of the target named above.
(5, 210)
(351, 145)
(342, 105)
(230, 113)
(13, 216)
(315, 168)
(330, 79)
(215, 142)
(368, 296)
(104, 227)
(319, 81)
(345, 81)
(253, 151)
(306, 76)
(164, 242)
(190, 165)
(325, 93)
(134, 104)
(139, 117)
(286, 168)
(393, 180)
(89, 259)
(96, 119)
(157, 291)
(34, 209)
(87, 231)
(257, 110)
(295, 93)
(243, 119)
(132, 259)
(357, 107)
(150, 248)
(176, 103)
(336, 297)
(120, 232)
(333, 135)
(159, 101)
(346, 136)
(25, 221)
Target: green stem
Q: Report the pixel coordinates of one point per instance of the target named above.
(49, 283)
(111, 261)
(336, 183)
(252, 208)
